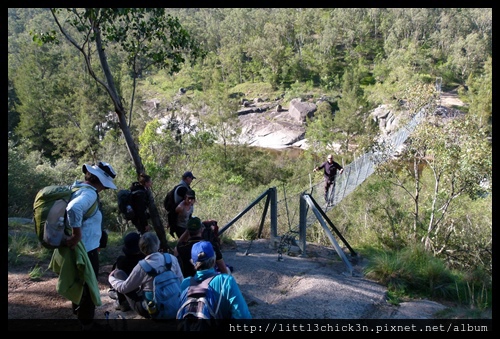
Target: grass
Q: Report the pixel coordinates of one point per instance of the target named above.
(413, 274)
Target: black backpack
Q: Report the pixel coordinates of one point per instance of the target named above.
(128, 199)
(211, 232)
(124, 204)
(169, 204)
(199, 307)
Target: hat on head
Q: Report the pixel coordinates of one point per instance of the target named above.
(190, 194)
(201, 251)
(103, 171)
(131, 244)
(188, 174)
(193, 224)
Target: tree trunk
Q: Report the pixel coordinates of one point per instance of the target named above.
(131, 146)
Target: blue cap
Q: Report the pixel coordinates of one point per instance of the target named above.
(201, 251)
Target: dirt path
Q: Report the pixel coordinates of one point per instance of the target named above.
(315, 286)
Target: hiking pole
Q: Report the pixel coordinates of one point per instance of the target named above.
(266, 206)
(246, 252)
(197, 181)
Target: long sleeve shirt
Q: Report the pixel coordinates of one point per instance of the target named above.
(139, 279)
(330, 170)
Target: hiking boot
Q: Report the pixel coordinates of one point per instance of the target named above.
(113, 294)
(124, 306)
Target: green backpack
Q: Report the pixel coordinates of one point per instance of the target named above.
(49, 214)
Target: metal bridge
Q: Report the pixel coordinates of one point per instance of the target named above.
(354, 175)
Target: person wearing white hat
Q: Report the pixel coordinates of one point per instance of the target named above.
(98, 177)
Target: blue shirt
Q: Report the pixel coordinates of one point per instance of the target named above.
(233, 305)
(81, 201)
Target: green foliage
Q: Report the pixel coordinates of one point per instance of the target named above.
(413, 272)
(23, 244)
(320, 128)
(24, 181)
(480, 96)
(35, 273)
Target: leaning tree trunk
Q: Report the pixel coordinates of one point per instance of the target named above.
(132, 149)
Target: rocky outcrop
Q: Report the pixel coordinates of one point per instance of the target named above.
(387, 121)
(275, 128)
(273, 123)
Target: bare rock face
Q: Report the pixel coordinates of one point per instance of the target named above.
(271, 124)
(387, 121)
(276, 127)
(299, 110)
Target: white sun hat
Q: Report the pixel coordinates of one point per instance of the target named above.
(103, 171)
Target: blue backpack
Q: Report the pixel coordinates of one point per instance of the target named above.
(166, 290)
(199, 306)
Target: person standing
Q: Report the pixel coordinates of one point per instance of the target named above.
(330, 169)
(179, 195)
(140, 202)
(82, 246)
(184, 211)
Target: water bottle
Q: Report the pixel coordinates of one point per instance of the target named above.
(152, 310)
(54, 233)
(60, 223)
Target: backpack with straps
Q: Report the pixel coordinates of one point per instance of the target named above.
(166, 289)
(199, 306)
(124, 205)
(170, 204)
(211, 232)
(49, 214)
(129, 200)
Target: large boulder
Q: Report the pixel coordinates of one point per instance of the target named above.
(299, 110)
(387, 121)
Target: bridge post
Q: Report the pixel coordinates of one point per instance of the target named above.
(302, 225)
(274, 216)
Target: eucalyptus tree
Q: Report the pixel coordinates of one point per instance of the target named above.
(460, 160)
(352, 119)
(480, 96)
(148, 37)
(320, 129)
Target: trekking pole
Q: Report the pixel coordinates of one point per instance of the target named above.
(246, 252)
(197, 181)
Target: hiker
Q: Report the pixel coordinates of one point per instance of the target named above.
(330, 169)
(194, 234)
(179, 194)
(232, 303)
(84, 241)
(126, 262)
(138, 282)
(184, 211)
(140, 202)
